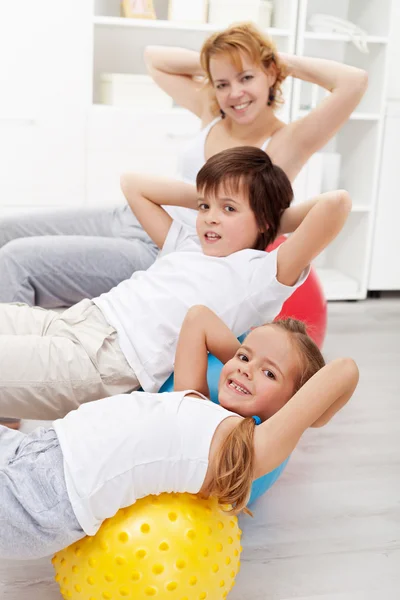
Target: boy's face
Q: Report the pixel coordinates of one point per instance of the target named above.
(225, 223)
(261, 377)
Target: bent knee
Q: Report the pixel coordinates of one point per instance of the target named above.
(10, 230)
(21, 252)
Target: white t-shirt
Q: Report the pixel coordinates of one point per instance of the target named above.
(148, 309)
(125, 447)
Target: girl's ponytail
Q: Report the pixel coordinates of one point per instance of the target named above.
(234, 467)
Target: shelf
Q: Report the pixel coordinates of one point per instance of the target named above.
(360, 208)
(17, 120)
(163, 24)
(343, 37)
(337, 285)
(167, 112)
(355, 116)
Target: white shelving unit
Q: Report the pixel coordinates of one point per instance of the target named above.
(343, 267)
(385, 269)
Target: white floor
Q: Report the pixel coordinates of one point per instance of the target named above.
(330, 528)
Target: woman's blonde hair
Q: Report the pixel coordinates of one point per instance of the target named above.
(247, 38)
(234, 465)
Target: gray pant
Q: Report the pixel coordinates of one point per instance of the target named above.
(36, 516)
(58, 258)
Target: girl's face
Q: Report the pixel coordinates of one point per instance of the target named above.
(261, 377)
(225, 223)
(242, 94)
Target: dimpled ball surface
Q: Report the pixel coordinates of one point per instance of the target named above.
(166, 547)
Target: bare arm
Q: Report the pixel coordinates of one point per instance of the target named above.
(295, 215)
(293, 145)
(145, 195)
(177, 71)
(313, 405)
(319, 226)
(202, 332)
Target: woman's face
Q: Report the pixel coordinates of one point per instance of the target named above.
(262, 375)
(241, 93)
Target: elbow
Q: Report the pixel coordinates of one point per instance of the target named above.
(348, 372)
(351, 371)
(344, 200)
(124, 182)
(199, 316)
(342, 203)
(362, 81)
(150, 55)
(198, 311)
(130, 185)
(359, 83)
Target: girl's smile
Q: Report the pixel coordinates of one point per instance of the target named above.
(261, 377)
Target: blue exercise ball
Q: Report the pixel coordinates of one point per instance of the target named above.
(262, 484)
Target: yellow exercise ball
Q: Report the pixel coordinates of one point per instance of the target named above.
(171, 546)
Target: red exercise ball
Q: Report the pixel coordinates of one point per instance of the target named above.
(307, 304)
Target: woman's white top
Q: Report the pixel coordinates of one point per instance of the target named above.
(128, 446)
(192, 158)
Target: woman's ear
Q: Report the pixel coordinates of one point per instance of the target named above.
(272, 73)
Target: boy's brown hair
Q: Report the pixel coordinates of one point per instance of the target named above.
(250, 170)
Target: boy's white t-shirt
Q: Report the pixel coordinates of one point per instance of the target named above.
(148, 309)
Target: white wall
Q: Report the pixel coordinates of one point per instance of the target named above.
(393, 89)
(45, 59)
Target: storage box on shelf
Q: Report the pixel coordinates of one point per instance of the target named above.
(259, 11)
(344, 266)
(135, 91)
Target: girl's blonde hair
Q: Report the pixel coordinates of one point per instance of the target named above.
(247, 38)
(234, 465)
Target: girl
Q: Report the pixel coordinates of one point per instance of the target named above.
(126, 339)
(60, 484)
(57, 259)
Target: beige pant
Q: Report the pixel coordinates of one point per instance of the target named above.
(51, 362)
